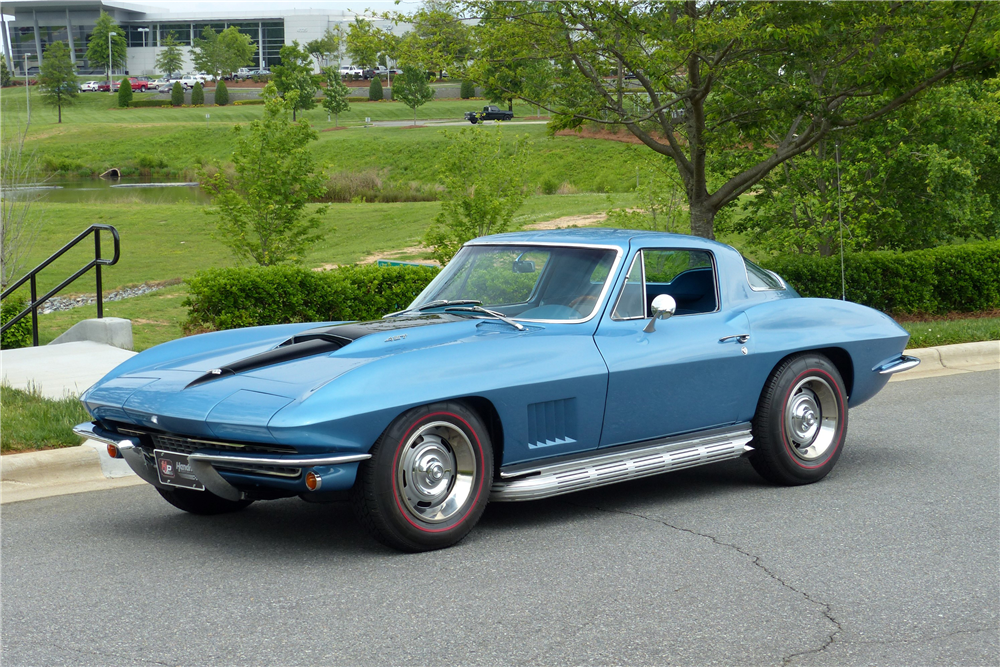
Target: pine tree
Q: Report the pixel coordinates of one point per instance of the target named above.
(375, 90)
(177, 94)
(197, 95)
(5, 78)
(221, 94)
(124, 93)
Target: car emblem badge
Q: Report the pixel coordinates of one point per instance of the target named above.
(216, 371)
(743, 350)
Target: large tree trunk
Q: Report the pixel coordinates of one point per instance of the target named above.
(702, 220)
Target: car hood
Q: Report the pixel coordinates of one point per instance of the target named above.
(231, 391)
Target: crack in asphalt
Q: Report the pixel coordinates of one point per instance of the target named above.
(825, 608)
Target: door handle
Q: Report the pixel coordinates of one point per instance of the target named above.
(740, 338)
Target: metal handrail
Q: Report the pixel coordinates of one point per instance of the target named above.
(95, 264)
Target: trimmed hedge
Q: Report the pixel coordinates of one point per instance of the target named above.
(221, 94)
(18, 335)
(149, 103)
(961, 278)
(258, 295)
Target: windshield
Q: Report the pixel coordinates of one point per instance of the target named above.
(524, 282)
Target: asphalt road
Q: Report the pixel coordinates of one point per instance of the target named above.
(892, 560)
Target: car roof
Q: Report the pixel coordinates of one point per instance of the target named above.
(621, 238)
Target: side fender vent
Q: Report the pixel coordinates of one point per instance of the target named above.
(552, 423)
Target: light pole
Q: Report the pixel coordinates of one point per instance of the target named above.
(111, 87)
(27, 95)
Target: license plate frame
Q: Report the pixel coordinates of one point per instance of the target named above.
(173, 469)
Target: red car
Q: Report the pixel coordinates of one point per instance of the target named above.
(138, 84)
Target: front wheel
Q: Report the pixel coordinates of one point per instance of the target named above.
(473, 121)
(801, 421)
(428, 480)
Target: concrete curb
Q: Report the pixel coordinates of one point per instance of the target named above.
(78, 469)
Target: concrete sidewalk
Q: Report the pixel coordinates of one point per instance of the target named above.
(89, 468)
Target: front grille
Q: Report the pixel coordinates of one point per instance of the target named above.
(153, 440)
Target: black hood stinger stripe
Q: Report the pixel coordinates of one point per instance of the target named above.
(322, 340)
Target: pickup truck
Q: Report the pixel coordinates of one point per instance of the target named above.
(490, 112)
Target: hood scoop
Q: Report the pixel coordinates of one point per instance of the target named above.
(305, 344)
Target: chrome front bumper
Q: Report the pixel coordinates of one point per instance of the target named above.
(901, 363)
(201, 462)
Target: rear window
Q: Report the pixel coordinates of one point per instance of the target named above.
(761, 279)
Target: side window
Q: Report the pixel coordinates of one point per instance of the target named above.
(761, 279)
(630, 301)
(686, 275)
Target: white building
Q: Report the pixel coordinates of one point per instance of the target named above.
(38, 23)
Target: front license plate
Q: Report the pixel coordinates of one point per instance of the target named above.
(174, 470)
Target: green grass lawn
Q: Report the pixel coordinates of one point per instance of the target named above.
(31, 422)
(948, 332)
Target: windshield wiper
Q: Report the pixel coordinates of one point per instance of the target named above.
(479, 309)
(437, 303)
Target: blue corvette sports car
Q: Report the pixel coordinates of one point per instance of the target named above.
(535, 364)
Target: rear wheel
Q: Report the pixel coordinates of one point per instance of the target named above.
(801, 421)
(428, 480)
(201, 502)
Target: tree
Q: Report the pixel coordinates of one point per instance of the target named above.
(222, 53)
(124, 93)
(335, 95)
(19, 222)
(221, 94)
(728, 91)
(177, 94)
(324, 47)
(468, 89)
(169, 59)
(261, 211)
(295, 74)
(439, 39)
(364, 41)
(928, 176)
(484, 187)
(375, 90)
(197, 94)
(97, 45)
(411, 88)
(57, 80)
(5, 78)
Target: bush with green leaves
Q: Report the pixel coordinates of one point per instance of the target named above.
(18, 335)
(177, 94)
(124, 93)
(254, 295)
(197, 94)
(957, 278)
(150, 103)
(221, 94)
(468, 90)
(5, 78)
(375, 90)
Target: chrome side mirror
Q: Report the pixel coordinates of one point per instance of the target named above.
(663, 308)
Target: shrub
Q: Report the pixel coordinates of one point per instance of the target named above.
(221, 94)
(177, 94)
(197, 94)
(375, 90)
(150, 162)
(468, 90)
(240, 103)
(258, 295)
(124, 93)
(5, 77)
(963, 278)
(18, 335)
(149, 103)
(549, 186)
(64, 164)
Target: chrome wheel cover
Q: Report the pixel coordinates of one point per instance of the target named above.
(436, 471)
(811, 418)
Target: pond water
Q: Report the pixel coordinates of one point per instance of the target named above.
(119, 191)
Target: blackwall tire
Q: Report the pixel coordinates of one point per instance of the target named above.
(801, 421)
(201, 502)
(428, 480)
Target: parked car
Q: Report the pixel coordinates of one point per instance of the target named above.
(159, 84)
(105, 87)
(89, 86)
(490, 112)
(188, 80)
(351, 70)
(139, 84)
(535, 364)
